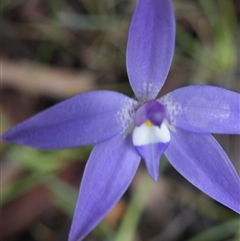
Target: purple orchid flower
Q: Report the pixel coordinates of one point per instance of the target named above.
(125, 130)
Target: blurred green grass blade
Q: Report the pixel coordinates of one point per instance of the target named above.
(223, 23)
(135, 209)
(46, 161)
(41, 164)
(64, 195)
(237, 238)
(219, 232)
(187, 42)
(21, 186)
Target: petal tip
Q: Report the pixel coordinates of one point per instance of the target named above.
(154, 176)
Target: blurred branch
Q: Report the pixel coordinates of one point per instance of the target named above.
(51, 81)
(34, 78)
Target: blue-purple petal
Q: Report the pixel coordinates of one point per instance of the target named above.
(151, 155)
(204, 109)
(84, 119)
(202, 161)
(150, 47)
(108, 173)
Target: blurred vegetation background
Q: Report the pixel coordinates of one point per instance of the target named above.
(53, 49)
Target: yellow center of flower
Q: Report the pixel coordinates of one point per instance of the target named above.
(148, 123)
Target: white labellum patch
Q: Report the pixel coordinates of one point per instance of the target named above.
(145, 134)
